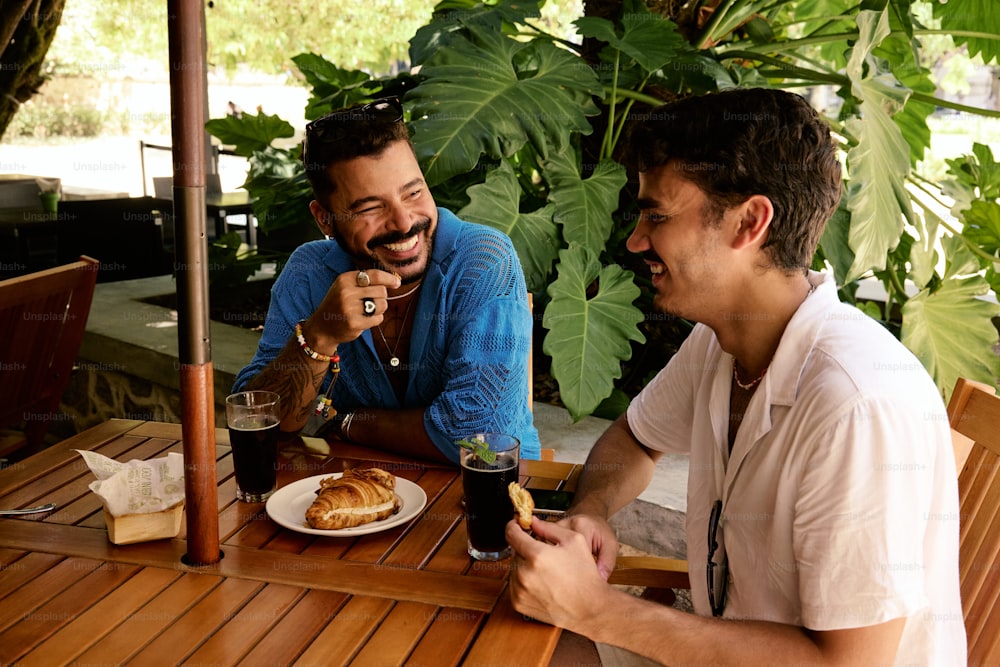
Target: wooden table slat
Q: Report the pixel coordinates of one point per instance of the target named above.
(510, 639)
(21, 473)
(22, 568)
(141, 627)
(43, 621)
(297, 629)
(101, 617)
(71, 470)
(451, 634)
(251, 623)
(397, 634)
(190, 631)
(30, 591)
(346, 633)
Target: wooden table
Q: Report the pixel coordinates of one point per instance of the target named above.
(409, 594)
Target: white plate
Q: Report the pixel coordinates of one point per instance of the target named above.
(288, 506)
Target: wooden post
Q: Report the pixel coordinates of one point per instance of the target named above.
(186, 28)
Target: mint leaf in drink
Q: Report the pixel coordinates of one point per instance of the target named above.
(479, 448)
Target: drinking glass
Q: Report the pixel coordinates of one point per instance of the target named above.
(253, 419)
(487, 504)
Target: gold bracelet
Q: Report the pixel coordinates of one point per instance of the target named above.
(311, 353)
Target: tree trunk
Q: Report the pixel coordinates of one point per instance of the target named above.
(27, 28)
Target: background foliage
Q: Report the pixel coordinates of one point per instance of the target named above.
(518, 129)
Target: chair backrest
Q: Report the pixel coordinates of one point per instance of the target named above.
(974, 414)
(43, 317)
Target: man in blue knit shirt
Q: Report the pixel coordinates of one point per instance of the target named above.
(407, 327)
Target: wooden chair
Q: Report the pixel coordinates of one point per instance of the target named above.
(974, 414)
(43, 316)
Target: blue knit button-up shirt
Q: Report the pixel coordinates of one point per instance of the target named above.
(471, 336)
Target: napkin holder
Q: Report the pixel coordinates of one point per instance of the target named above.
(132, 528)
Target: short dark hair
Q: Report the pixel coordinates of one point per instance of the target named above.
(742, 142)
(345, 134)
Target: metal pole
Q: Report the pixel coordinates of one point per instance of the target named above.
(186, 28)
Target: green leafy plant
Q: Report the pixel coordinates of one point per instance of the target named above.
(519, 129)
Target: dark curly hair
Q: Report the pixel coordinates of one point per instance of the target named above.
(349, 133)
(743, 142)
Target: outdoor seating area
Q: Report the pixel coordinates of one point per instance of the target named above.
(132, 237)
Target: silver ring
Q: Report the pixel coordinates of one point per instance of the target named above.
(369, 306)
(364, 280)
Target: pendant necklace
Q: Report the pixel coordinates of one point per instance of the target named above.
(393, 359)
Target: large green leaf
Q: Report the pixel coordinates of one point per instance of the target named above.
(972, 15)
(250, 132)
(452, 16)
(878, 164)
(490, 94)
(588, 338)
(647, 38)
(982, 225)
(948, 351)
(834, 243)
(279, 188)
(977, 176)
(332, 87)
(535, 235)
(923, 253)
(584, 207)
(898, 51)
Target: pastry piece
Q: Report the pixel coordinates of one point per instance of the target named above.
(523, 504)
(358, 497)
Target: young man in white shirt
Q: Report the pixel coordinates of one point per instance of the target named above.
(822, 515)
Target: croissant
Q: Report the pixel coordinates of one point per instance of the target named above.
(358, 497)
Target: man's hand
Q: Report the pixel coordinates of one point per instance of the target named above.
(555, 581)
(341, 316)
(602, 539)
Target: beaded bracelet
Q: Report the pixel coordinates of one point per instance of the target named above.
(325, 403)
(313, 354)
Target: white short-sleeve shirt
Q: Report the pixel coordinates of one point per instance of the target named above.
(840, 501)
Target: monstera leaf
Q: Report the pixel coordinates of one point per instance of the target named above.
(451, 17)
(535, 236)
(878, 164)
(589, 337)
(584, 206)
(281, 193)
(648, 38)
(332, 87)
(489, 94)
(249, 133)
(948, 351)
(978, 16)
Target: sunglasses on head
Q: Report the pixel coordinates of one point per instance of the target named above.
(338, 125)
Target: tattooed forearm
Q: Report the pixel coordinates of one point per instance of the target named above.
(293, 378)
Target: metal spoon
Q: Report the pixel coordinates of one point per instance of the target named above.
(29, 510)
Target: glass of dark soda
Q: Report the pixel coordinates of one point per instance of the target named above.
(253, 419)
(487, 503)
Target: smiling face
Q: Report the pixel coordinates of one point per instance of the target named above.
(683, 246)
(381, 211)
